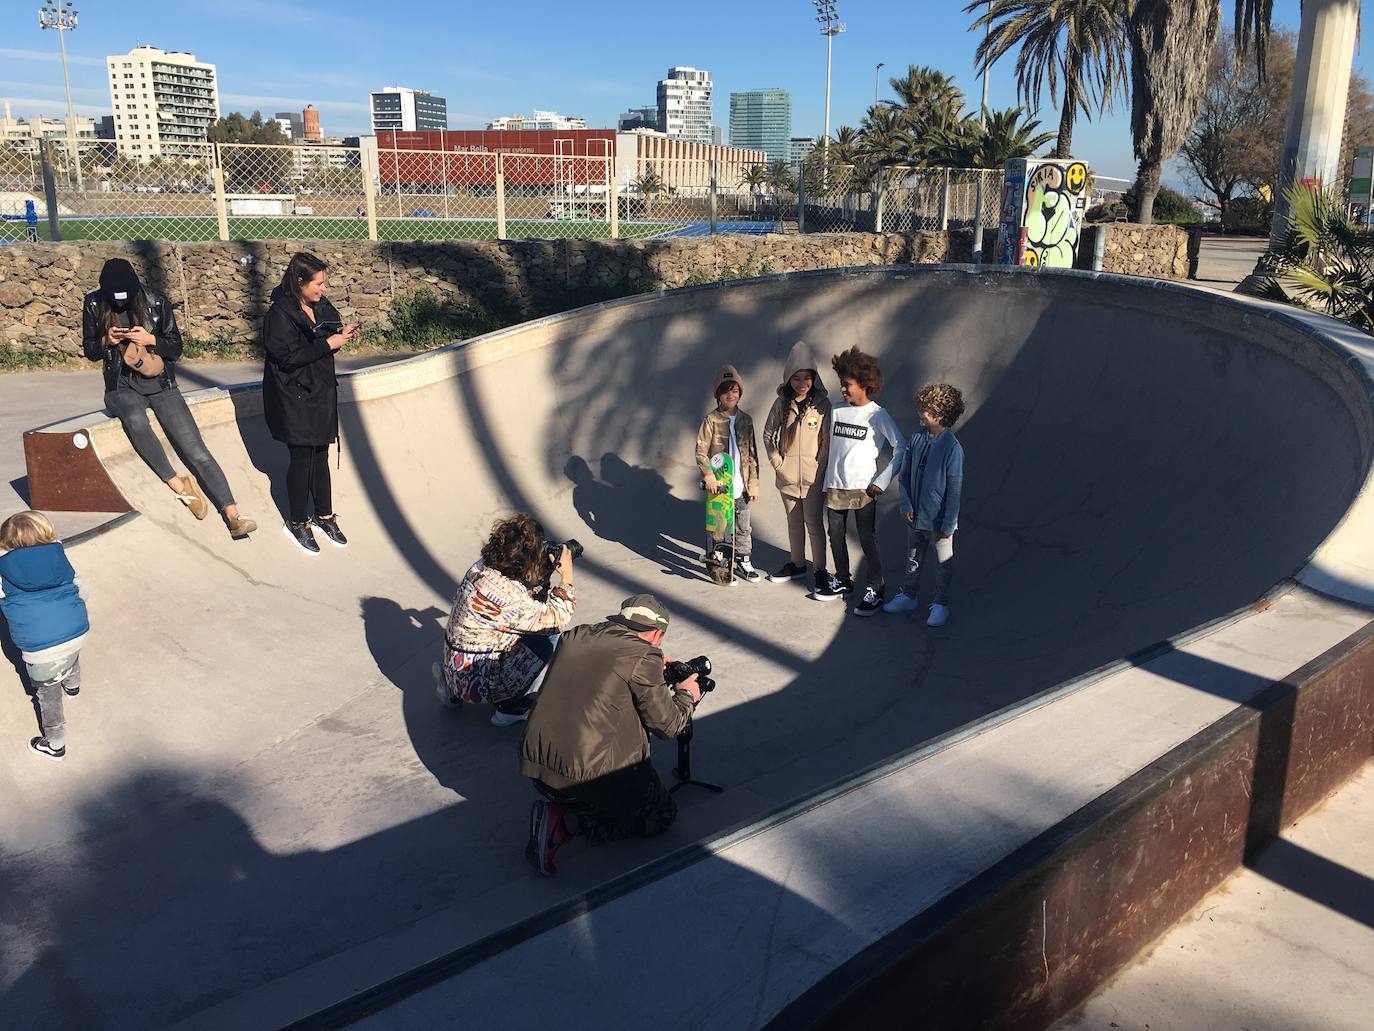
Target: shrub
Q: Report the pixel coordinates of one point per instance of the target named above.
(1171, 207)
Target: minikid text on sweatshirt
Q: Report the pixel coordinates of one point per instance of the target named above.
(856, 439)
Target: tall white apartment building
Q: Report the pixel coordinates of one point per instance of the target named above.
(536, 121)
(163, 102)
(408, 110)
(684, 105)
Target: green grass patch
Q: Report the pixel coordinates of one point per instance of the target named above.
(728, 272)
(12, 359)
(193, 228)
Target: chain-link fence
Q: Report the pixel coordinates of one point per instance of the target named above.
(239, 191)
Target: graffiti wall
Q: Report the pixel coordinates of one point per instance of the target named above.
(1043, 203)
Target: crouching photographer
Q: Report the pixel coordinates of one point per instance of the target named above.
(586, 746)
(506, 620)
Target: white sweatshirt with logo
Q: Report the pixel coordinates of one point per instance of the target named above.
(857, 436)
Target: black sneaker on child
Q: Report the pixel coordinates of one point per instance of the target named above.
(40, 746)
(790, 571)
(304, 538)
(828, 587)
(872, 601)
(330, 528)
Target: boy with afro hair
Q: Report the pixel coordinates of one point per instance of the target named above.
(932, 479)
(853, 478)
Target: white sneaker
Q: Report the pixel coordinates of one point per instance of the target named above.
(902, 603)
(939, 615)
(509, 719)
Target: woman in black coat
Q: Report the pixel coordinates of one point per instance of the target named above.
(300, 396)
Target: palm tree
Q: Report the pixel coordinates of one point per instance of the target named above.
(753, 177)
(925, 89)
(648, 184)
(1081, 41)
(779, 176)
(1006, 136)
(884, 138)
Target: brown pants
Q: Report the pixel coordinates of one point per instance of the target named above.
(805, 519)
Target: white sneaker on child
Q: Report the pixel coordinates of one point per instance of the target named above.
(939, 615)
(902, 603)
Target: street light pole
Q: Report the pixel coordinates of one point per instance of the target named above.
(61, 15)
(982, 124)
(876, 69)
(828, 14)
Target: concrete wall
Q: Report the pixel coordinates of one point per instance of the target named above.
(220, 290)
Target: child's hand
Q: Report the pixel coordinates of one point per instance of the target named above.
(712, 487)
(753, 496)
(910, 517)
(874, 490)
(946, 536)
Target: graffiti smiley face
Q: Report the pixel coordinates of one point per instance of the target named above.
(1076, 178)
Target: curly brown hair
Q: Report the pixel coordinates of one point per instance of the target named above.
(861, 368)
(941, 400)
(516, 549)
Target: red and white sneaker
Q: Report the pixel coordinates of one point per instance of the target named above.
(547, 832)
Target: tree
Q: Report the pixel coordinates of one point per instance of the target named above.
(1007, 136)
(1082, 42)
(753, 177)
(779, 177)
(248, 166)
(648, 184)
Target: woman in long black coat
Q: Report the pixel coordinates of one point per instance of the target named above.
(300, 395)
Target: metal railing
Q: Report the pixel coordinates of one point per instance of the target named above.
(209, 191)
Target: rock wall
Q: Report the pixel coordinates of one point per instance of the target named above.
(220, 290)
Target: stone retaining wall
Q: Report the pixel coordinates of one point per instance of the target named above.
(220, 290)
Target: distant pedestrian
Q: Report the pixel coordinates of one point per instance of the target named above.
(130, 327)
(300, 394)
(43, 603)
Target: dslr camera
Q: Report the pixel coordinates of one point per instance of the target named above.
(553, 550)
(676, 672)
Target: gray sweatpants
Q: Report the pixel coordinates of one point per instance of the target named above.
(744, 537)
(49, 679)
(918, 541)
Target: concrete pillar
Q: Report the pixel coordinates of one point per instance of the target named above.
(1316, 109)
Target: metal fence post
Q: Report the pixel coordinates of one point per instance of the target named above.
(50, 194)
(879, 196)
(371, 168)
(221, 205)
(944, 204)
(500, 197)
(714, 187)
(977, 256)
(613, 197)
(801, 199)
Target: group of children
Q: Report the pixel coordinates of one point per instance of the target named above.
(826, 461)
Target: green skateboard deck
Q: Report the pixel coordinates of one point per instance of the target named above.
(720, 520)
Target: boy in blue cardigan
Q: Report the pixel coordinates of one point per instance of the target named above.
(42, 603)
(932, 478)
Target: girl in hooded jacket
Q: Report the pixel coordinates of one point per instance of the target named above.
(796, 438)
(42, 601)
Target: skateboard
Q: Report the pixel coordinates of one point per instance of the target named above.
(720, 521)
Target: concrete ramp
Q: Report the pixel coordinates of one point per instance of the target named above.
(263, 804)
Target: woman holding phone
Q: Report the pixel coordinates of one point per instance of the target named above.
(130, 327)
(300, 395)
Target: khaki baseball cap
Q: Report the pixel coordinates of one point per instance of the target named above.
(641, 613)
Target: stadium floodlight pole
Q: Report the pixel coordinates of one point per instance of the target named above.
(876, 69)
(828, 14)
(61, 15)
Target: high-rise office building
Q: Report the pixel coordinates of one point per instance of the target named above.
(408, 110)
(798, 147)
(684, 105)
(761, 119)
(638, 118)
(164, 102)
(292, 124)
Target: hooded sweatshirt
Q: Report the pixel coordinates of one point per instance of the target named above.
(796, 435)
(714, 438)
(40, 598)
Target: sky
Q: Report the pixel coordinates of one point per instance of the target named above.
(577, 59)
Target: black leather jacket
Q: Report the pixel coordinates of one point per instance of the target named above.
(162, 323)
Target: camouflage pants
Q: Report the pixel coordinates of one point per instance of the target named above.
(628, 803)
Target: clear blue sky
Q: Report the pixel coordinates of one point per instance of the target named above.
(493, 59)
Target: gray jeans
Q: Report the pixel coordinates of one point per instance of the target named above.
(49, 679)
(744, 537)
(918, 541)
(131, 408)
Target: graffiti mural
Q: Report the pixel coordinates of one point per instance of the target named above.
(1042, 211)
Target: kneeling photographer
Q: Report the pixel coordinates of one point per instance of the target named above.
(586, 746)
(506, 620)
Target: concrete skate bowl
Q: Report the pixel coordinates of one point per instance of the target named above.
(1141, 459)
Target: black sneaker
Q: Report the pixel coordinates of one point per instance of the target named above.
(828, 587)
(40, 746)
(744, 570)
(790, 571)
(71, 692)
(330, 528)
(871, 603)
(300, 533)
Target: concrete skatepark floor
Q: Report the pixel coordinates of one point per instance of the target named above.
(266, 779)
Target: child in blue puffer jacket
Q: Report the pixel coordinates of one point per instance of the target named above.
(41, 599)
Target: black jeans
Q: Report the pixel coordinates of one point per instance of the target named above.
(307, 477)
(866, 522)
(131, 409)
(627, 803)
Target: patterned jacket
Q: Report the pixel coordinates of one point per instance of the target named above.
(484, 658)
